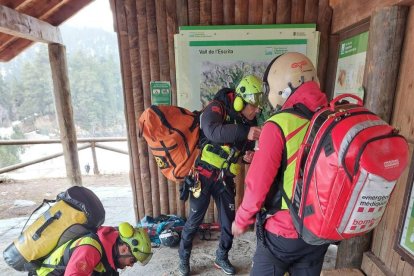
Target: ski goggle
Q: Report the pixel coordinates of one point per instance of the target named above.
(255, 99)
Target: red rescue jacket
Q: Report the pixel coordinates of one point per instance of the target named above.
(266, 163)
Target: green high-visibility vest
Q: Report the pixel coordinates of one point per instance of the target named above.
(294, 129)
(56, 261)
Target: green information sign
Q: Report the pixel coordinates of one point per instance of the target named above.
(407, 237)
(351, 65)
(208, 58)
(160, 92)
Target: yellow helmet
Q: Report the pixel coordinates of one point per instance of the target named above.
(249, 90)
(285, 74)
(138, 241)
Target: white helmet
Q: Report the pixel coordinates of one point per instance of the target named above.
(284, 75)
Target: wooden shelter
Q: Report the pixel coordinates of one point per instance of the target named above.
(145, 34)
(24, 22)
(145, 31)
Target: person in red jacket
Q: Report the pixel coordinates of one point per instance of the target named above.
(101, 253)
(290, 81)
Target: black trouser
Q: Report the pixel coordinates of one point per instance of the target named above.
(224, 198)
(287, 255)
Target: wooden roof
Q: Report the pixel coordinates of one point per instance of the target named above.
(14, 12)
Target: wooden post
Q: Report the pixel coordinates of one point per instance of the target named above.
(146, 79)
(155, 76)
(386, 33)
(135, 173)
(217, 12)
(95, 161)
(269, 12)
(241, 12)
(182, 20)
(194, 12)
(172, 28)
(324, 18)
(64, 112)
(311, 10)
(205, 12)
(228, 12)
(255, 11)
(298, 11)
(131, 13)
(283, 11)
(329, 82)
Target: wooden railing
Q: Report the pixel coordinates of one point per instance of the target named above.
(90, 143)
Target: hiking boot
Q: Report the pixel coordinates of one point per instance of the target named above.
(184, 267)
(225, 265)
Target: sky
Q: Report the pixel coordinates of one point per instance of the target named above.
(97, 15)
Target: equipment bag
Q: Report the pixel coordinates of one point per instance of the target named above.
(347, 167)
(172, 134)
(75, 212)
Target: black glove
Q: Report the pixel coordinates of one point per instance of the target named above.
(184, 192)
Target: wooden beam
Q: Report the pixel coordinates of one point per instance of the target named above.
(64, 111)
(386, 35)
(135, 171)
(24, 26)
(351, 12)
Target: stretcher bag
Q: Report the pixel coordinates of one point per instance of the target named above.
(74, 213)
(172, 135)
(347, 168)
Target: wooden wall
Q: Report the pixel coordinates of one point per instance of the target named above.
(386, 234)
(145, 31)
(382, 259)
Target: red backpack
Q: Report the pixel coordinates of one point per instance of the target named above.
(172, 134)
(347, 167)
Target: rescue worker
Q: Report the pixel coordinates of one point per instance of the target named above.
(227, 125)
(100, 254)
(290, 83)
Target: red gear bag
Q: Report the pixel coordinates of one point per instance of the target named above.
(348, 165)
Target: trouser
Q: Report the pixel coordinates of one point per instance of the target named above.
(287, 255)
(224, 199)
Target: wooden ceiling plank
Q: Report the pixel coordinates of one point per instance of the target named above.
(14, 48)
(61, 13)
(39, 7)
(28, 27)
(13, 4)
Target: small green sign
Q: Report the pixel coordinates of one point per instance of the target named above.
(354, 45)
(160, 92)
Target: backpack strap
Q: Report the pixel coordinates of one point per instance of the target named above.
(45, 201)
(68, 253)
(303, 110)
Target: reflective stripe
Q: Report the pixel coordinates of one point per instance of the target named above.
(294, 130)
(350, 135)
(56, 258)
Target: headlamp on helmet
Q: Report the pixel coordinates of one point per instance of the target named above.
(138, 241)
(249, 91)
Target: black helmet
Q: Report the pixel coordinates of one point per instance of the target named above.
(169, 238)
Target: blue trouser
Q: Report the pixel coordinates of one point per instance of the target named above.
(287, 255)
(224, 198)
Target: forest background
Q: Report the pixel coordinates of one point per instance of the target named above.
(26, 90)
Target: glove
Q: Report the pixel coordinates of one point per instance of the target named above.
(184, 192)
